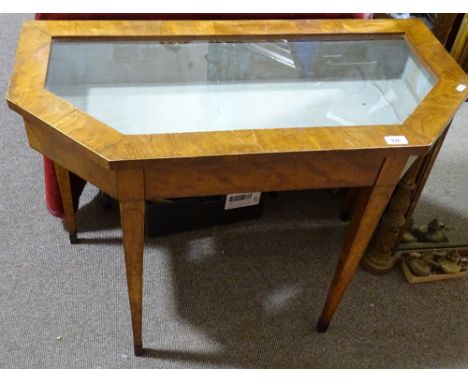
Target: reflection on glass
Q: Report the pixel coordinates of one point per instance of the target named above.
(151, 87)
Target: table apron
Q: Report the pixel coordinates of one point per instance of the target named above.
(248, 173)
(203, 176)
(71, 156)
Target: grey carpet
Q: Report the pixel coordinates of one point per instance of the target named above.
(244, 295)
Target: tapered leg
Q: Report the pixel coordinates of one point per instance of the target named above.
(132, 216)
(369, 208)
(63, 178)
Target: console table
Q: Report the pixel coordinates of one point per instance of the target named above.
(160, 109)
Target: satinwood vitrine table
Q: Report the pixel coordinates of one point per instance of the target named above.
(149, 110)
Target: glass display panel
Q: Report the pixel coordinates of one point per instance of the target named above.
(154, 87)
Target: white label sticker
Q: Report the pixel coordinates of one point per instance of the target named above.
(242, 200)
(396, 140)
(461, 88)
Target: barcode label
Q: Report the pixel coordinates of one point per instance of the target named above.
(396, 140)
(242, 200)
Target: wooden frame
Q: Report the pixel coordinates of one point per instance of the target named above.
(114, 150)
(133, 168)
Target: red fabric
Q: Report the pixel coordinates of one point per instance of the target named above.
(53, 199)
(52, 192)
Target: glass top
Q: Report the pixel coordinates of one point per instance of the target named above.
(155, 87)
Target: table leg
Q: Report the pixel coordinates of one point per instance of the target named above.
(132, 217)
(63, 178)
(370, 206)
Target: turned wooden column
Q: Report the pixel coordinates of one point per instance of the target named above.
(380, 256)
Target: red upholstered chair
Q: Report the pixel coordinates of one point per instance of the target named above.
(53, 199)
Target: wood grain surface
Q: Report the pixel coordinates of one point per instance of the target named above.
(111, 149)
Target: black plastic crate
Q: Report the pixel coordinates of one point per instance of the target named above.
(186, 214)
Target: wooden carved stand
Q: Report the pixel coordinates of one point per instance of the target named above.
(381, 255)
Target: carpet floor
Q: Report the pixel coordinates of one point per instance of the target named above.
(245, 295)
